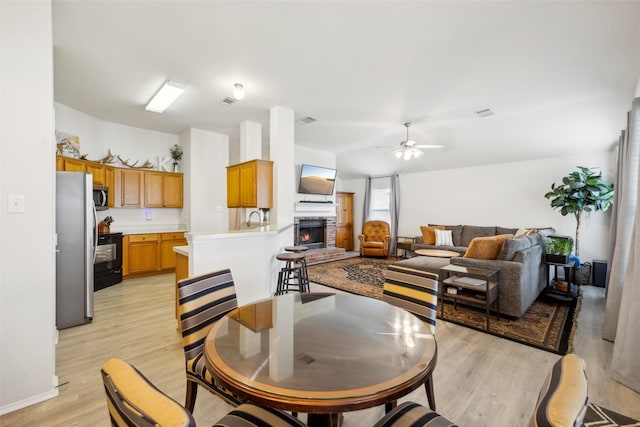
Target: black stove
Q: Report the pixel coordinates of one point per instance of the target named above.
(107, 268)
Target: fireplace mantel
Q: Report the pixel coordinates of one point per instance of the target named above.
(315, 209)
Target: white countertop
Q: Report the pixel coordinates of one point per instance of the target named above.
(264, 230)
(182, 250)
(147, 228)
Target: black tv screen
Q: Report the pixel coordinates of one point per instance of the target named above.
(317, 180)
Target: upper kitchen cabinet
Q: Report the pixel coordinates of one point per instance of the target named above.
(250, 184)
(163, 190)
(129, 188)
(74, 165)
(98, 171)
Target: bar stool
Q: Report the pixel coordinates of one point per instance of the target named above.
(299, 249)
(293, 276)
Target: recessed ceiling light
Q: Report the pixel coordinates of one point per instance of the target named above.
(306, 120)
(485, 113)
(168, 93)
(238, 91)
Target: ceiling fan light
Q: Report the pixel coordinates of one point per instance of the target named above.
(417, 153)
(398, 154)
(407, 154)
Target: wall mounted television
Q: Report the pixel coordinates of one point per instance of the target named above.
(317, 180)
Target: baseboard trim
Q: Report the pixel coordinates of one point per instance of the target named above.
(29, 401)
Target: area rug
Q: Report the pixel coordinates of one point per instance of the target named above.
(547, 325)
(602, 417)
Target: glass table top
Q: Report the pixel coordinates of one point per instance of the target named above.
(320, 346)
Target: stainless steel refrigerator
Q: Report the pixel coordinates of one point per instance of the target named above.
(75, 249)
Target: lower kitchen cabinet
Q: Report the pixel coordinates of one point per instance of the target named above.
(167, 242)
(146, 254)
(143, 253)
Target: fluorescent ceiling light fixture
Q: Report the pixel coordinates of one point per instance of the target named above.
(168, 93)
(238, 91)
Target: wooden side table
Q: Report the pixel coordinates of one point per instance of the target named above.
(467, 293)
(569, 275)
(405, 244)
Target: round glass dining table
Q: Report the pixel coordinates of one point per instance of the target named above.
(320, 353)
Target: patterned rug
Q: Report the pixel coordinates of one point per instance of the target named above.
(547, 325)
(597, 416)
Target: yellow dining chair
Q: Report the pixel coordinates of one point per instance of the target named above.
(133, 401)
(562, 402)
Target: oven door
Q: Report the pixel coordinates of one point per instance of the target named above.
(106, 255)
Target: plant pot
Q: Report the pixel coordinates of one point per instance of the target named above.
(556, 258)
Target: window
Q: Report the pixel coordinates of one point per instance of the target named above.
(380, 200)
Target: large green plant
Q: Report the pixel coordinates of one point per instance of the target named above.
(582, 190)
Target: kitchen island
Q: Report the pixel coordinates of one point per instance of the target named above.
(249, 253)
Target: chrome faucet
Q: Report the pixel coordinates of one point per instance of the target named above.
(260, 217)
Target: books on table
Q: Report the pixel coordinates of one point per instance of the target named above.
(468, 281)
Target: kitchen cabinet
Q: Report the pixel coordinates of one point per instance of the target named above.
(250, 184)
(143, 253)
(109, 177)
(74, 165)
(163, 190)
(150, 253)
(167, 242)
(344, 220)
(98, 171)
(131, 188)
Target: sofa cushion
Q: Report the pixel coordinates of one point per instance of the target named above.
(428, 233)
(505, 230)
(486, 247)
(470, 232)
(456, 233)
(444, 238)
(511, 246)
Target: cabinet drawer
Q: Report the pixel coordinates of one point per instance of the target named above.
(172, 236)
(143, 238)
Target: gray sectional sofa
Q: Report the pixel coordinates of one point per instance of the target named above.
(523, 273)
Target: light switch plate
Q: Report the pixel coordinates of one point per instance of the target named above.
(15, 203)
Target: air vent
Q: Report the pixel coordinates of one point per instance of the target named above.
(485, 113)
(306, 120)
(228, 101)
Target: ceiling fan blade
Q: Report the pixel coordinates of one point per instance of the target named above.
(429, 146)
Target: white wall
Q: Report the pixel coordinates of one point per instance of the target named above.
(98, 137)
(508, 195)
(206, 156)
(27, 165)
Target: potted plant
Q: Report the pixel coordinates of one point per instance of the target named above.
(557, 249)
(581, 191)
(176, 155)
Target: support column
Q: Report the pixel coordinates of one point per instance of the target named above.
(281, 152)
(250, 141)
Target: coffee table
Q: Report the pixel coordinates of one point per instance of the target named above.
(439, 253)
(322, 354)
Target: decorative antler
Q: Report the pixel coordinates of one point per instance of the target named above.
(145, 165)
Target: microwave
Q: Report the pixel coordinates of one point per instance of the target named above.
(101, 197)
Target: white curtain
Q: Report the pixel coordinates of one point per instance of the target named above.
(622, 318)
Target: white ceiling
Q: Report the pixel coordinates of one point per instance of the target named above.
(560, 76)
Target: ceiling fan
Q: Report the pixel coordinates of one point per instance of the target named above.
(409, 148)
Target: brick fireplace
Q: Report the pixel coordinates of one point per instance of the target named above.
(319, 235)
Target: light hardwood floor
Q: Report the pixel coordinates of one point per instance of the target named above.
(480, 380)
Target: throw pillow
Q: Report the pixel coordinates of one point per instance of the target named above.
(486, 247)
(429, 235)
(444, 237)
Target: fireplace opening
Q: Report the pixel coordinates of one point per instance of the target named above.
(311, 233)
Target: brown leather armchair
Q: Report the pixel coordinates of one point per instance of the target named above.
(374, 240)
